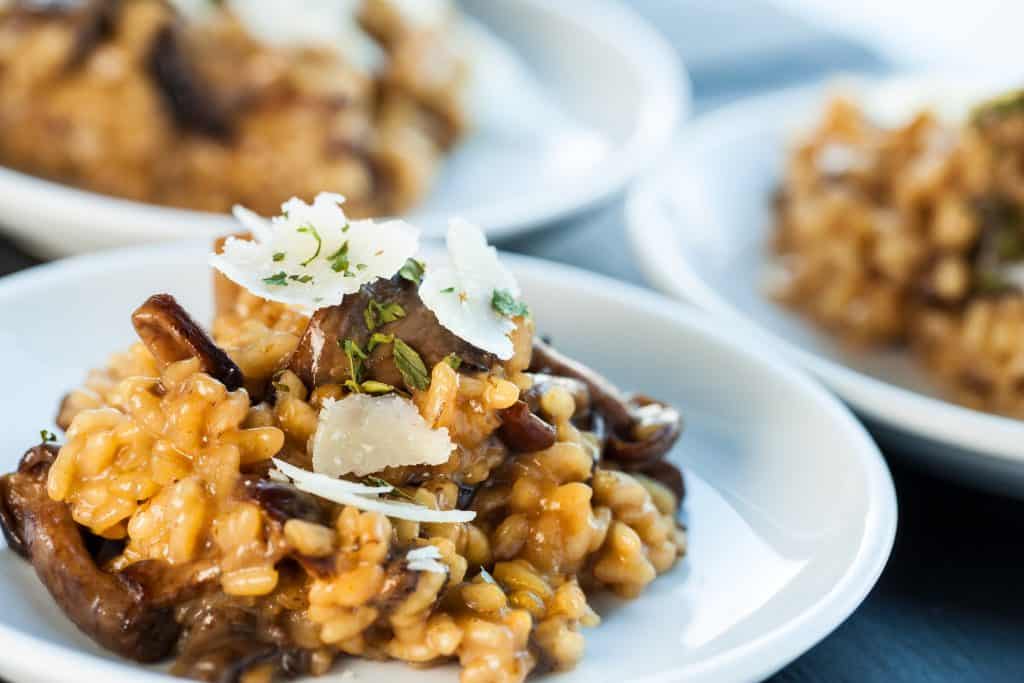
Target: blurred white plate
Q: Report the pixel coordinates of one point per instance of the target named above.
(699, 226)
(572, 100)
(790, 507)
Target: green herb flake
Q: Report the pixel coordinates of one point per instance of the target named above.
(279, 279)
(376, 388)
(361, 266)
(309, 229)
(279, 256)
(453, 360)
(447, 290)
(507, 305)
(377, 314)
(304, 279)
(412, 271)
(410, 365)
(396, 492)
(339, 259)
(356, 356)
(47, 436)
(353, 386)
(378, 338)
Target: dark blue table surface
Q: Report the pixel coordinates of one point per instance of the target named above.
(950, 604)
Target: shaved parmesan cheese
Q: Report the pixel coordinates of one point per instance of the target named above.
(347, 493)
(320, 481)
(462, 294)
(313, 256)
(363, 434)
(426, 559)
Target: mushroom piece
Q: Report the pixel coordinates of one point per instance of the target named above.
(171, 335)
(641, 430)
(190, 100)
(524, 431)
(320, 357)
(128, 612)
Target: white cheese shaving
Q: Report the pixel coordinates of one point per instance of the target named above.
(461, 294)
(343, 493)
(363, 434)
(313, 256)
(426, 559)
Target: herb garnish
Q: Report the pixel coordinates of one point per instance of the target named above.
(308, 228)
(280, 279)
(47, 436)
(453, 360)
(372, 386)
(378, 338)
(410, 365)
(279, 256)
(395, 491)
(505, 304)
(356, 356)
(339, 259)
(377, 314)
(412, 271)
(447, 290)
(304, 279)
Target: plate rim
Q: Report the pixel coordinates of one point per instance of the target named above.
(667, 100)
(671, 271)
(756, 658)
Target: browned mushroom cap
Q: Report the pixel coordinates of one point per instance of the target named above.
(642, 430)
(524, 431)
(320, 358)
(542, 382)
(171, 335)
(655, 429)
(129, 613)
(190, 99)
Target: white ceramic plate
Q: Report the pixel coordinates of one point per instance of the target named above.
(791, 509)
(551, 137)
(698, 227)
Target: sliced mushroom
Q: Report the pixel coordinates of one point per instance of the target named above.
(641, 430)
(524, 431)
(129, 613)
(542, 382)
(283, 501)
(190, 100)
(320, 357)
(171, 335)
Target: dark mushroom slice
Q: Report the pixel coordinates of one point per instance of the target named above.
(129, 613)
(171, 335)
(641, 430)
(524, 431)
(282, 501)
(542, 382)
(192, 102)
(320, 357)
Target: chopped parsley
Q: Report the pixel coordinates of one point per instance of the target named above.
(356, 356)
(279, 256)
(308, 228)
(507, 305)
(410, 365)
(447, 290)
(304, 279)
(47, 436)
(280, 279)
(453, 360)
(339, 259)
(412, 271)
(378, 338)
(377, 314)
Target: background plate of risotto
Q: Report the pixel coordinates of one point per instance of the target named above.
(867, 228)
(790, 509)
(151, 126)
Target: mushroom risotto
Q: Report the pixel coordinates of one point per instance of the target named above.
(371, 456)
(914, 236)
(244, 101)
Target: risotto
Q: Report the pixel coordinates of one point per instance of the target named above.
(405, 472)
(913, 236)
(132, 98)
